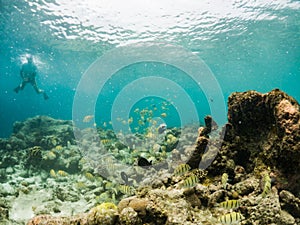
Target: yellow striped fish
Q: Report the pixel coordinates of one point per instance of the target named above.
(267, 185)
(181, 169)
(231, 218)
(126, 190)
(189, 182)
(89, 176)
(52, 173)
(230, 204)
(62, 173)
(105, 141)
(224, 180)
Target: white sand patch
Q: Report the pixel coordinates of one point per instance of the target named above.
(21, 210)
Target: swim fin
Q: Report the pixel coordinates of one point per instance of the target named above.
(45, 96)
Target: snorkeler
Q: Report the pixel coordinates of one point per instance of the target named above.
(28, 73)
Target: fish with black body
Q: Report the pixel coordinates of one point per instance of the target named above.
(124, 177)
(142, 162)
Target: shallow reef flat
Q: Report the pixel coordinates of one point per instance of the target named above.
(248, 173)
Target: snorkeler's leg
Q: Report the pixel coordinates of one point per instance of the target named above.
(17, 89)
(20, 87)
(45, 95)
(39, 91)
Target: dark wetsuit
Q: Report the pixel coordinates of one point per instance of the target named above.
(28, 74)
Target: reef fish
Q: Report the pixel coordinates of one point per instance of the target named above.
(224, 180)
(62, 173)
(89, 176)
(181, 169)
(267, 185)
(87, 118)
(230, 204)
(162, 128)
(52, 173)
(105, 141)
(127, 190)
(144, 162)
(189, 182)
(164, 115)
(124, 176)
(231, 218)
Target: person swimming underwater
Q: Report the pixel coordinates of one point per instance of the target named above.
(28, 73)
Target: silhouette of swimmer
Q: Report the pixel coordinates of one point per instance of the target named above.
(28, 73)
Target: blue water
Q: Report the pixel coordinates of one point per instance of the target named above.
(245, 44)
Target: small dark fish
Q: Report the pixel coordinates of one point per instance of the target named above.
(144, 162)
(124, 177)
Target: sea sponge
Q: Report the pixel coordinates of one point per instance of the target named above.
(129, 217)
(138, 204)
(105, 214)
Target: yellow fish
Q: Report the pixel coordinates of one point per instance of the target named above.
(50, 155)
(163, 115)
(127, 190)
(130, 120)
(150, 113)
(111, 165)
(189, 182)
(181, 169)
(267, 185)
(230, 204)
(224, 180)
(62, 173)
(141, 123)
(52, 173)
(87, 118)
(89, 176)
(58, 147)
(80, 185)
(105, 141)
(231, 218)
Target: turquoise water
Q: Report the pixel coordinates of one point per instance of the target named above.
(244, 44)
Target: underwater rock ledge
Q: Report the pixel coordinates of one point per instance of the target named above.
(263, 131)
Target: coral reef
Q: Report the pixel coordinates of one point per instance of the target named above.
(105, 214)
(263, 132)
(44, 131)
(245, 172)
